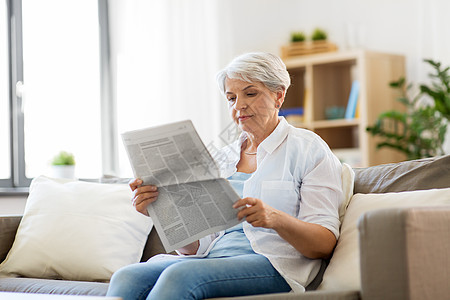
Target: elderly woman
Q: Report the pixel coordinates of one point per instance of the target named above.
(290, 187)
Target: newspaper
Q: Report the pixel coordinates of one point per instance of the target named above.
(193, 200)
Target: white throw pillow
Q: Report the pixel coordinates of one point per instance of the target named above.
(343, 272)
(76, 230)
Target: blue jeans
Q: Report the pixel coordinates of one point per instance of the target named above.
(197, 278)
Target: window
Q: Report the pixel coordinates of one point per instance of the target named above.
(62, 84)
(62, 67)
(55, 83)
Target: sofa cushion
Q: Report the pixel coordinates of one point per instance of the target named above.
(348, 180)
(47, 286)
(76, 230)
(421, 174)
(343, 271)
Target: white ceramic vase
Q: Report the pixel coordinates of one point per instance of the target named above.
(63, 171)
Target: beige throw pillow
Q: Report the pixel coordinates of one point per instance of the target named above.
(343, 272)
(348, 181)
(76, 230)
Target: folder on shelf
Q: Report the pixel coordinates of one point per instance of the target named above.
(358, 104)
(352, 100)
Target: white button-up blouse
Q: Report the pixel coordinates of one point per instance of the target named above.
(296, 173)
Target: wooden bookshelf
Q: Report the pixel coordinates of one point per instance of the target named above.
(324, 80)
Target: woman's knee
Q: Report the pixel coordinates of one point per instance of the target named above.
(177, 273)
(176, 282)
(136, 280)
(124, 277)
(132, 282)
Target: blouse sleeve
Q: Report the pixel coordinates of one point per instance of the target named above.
(321, 189)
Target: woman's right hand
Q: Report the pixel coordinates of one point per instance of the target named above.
(143, 195)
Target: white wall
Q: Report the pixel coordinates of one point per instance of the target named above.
(415, 28)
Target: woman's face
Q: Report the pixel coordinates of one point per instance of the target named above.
(253, 106)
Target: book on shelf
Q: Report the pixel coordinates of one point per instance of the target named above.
(352, 100)
(358, 104)
(291, 111)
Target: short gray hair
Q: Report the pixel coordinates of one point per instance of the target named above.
(261, 67)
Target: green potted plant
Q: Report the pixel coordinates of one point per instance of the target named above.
(420, 130)
(298, 36)
(63, 165)
(319, 35)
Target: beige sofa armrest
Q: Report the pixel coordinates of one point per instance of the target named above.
(8, 229)
(405, 253)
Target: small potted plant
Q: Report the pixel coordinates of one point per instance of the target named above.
(298, 36)
(63, 165)
(319, 35)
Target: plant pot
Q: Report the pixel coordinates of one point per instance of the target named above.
(63, 171)
(306, 48)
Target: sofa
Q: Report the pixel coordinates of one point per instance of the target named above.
(403, 250)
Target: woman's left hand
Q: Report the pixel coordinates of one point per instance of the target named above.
(256, 212)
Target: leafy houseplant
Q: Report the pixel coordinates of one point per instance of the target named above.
(440, 88)
(420, 131)
(63, 165)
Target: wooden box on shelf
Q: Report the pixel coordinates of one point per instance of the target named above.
(325, 80)
(306, 48)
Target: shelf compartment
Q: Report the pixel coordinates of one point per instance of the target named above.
(339, 137)
(295, 96)
(331, 86)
